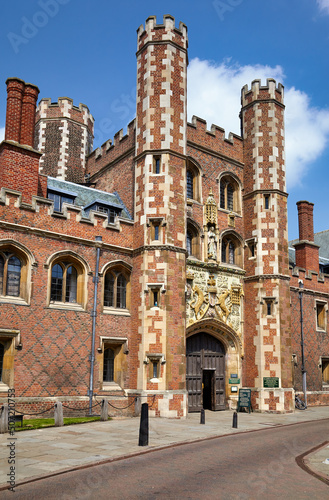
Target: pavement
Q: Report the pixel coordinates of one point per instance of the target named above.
(45, 452)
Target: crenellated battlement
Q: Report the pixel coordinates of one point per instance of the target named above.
(111, 150)
(257, 92)
(71, 224)
(313, 282)
(166, 31)
(61, 127)
(64, 108)
(199, 134)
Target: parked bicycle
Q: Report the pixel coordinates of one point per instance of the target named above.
(299, 403)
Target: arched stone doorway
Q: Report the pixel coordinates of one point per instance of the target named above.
(205, 372)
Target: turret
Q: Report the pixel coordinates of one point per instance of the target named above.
(267, 316)
(64, 134)
(160, 203)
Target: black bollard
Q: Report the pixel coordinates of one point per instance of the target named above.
(202, 417)
(235, 420)
(144, 426)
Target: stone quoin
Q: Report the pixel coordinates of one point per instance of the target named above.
(198, 287)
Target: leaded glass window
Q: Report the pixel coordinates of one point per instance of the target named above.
(115, 289)
(121, 291)
(189, 184)
(10, 274)
(64, 283)
(108, 368)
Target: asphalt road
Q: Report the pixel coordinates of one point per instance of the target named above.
(252, 465)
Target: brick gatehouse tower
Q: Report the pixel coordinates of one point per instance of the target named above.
(155, 266)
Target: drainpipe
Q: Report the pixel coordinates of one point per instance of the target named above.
(301, 286)
(93, 315)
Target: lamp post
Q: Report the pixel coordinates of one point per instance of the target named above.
(301, 286)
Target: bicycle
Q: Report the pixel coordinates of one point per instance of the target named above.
(299, 403)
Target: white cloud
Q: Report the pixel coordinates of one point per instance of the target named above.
(214, 94)
(2, 133)
(324, 5)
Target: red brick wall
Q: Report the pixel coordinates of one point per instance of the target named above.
(112, 153)
(316, 341)
(20, 171)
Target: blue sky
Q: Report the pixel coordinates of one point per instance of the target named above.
(85, 49)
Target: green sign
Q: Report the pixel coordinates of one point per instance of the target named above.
(244, 399)
(271, 382)
(234, 381)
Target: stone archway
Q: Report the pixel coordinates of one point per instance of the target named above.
(205, 372)
(213, 351)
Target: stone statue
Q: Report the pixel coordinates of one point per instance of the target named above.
(212, 244)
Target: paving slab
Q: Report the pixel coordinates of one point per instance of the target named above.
(43, 451)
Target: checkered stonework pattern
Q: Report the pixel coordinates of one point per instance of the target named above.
(267, 336)
(146, 170)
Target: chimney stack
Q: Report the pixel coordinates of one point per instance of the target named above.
(19, 161)
(307, 252)
(15, 91)
(20, 119)
(30, 97)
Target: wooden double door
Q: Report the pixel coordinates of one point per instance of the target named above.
(205, 372)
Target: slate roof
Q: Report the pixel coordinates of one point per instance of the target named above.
(86, 196)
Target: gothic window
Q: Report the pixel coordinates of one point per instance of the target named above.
(231, 250)
(189, 184)
(192, 182)
(192, 241)
(10, 274)
(108, 365)
(116, 288)
(64, 283)
(229, 194)
(67, 277)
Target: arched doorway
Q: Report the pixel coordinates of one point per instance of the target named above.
(205, 372)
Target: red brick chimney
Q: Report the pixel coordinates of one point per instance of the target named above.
(19, 162)
(15, 91)
(307, 252)
(30, 97)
